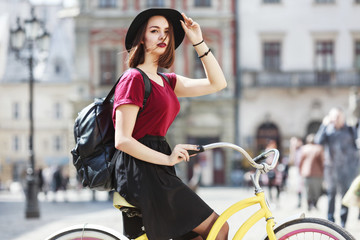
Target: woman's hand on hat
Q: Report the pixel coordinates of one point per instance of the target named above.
(192, 29)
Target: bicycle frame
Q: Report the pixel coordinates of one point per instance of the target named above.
(259, 198)
(263, 212)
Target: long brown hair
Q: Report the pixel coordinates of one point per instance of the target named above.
(137, 52)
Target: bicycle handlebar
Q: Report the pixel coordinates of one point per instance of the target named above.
(255, 162)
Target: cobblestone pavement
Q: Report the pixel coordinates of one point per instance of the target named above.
(77, 207)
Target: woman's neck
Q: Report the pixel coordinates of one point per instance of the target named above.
(150, 64)
(149, 67)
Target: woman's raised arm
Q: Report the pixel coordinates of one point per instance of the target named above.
(215, 79)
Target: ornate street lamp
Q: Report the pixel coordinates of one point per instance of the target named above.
(24, 39)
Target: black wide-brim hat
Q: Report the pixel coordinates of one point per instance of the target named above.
(172, 15)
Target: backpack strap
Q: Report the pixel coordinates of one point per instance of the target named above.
(164, 76)
(147, 85)
(112, 91)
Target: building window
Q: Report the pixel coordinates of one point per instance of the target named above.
(16, 110)
(357, 55)
(58, 68)
(107, 66)
(58, 111)
(271, 1)
(155, 3)
(107, 3)
(57, 143)
(271, 56)
(82, 4)
(16, 144)
(324, 61)
(325, 55)
(324, 1)
(202, 3)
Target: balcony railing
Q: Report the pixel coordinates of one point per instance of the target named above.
(252, 79)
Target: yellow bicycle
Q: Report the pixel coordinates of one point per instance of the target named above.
(298, 227)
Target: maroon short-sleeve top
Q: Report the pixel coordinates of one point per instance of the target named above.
(160, 110)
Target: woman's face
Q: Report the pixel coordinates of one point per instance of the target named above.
(156, 35)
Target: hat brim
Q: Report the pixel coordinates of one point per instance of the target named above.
(172, 15)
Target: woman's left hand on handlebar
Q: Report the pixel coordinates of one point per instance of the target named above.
(180, 153)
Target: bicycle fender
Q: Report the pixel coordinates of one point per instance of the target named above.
(85, 226)
(287, 219)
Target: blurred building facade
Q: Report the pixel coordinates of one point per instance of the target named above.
(297, 60)
(53, 93)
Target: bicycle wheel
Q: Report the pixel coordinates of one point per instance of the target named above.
(311, 229)
(87, 232)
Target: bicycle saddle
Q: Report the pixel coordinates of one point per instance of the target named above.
(120, 203)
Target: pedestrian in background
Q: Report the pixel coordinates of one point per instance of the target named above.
(352, 197)
(40, 179)
(195, 179)
(311, 168)
(341, 158)
(274, 176)
(296, 144)
(57, 180)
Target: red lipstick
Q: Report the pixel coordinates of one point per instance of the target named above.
(162, 45)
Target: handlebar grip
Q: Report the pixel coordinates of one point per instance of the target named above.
(201, 149)
(259, 158)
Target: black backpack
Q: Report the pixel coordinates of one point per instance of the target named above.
(94, 137)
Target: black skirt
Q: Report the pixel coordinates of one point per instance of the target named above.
(169, 208)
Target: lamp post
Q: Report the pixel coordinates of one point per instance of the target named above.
(24, 39)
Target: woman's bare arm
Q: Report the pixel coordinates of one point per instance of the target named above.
(215, 79)
(125, 121)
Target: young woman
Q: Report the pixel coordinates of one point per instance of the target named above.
(145, 174)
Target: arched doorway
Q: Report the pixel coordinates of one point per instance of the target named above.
(313, 127)
(267, 131)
